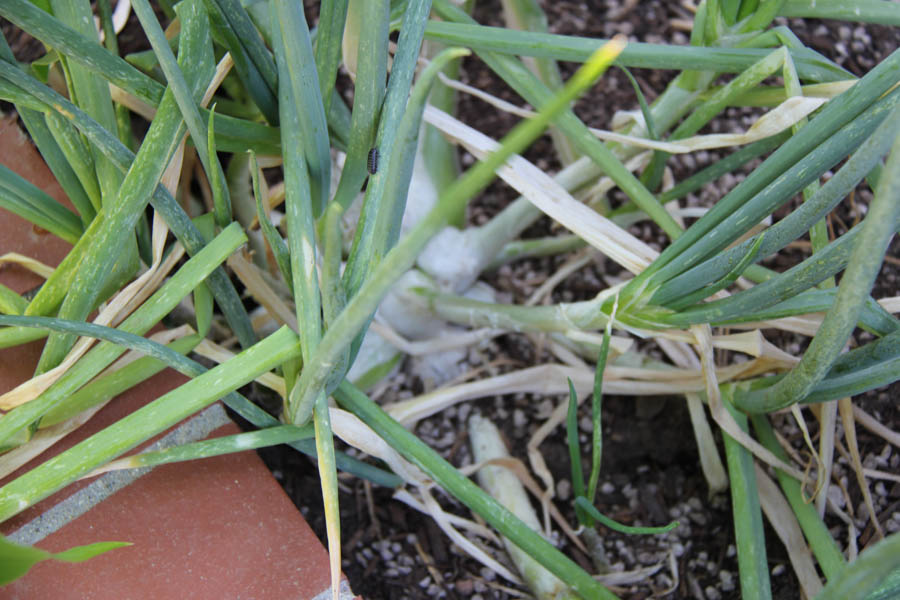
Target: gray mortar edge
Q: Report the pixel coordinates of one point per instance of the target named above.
(344, 591)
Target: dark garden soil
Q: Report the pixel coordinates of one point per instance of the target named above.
(650, 470)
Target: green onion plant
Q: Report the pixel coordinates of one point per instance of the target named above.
(361, 255)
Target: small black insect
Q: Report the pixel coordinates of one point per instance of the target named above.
(372, 161)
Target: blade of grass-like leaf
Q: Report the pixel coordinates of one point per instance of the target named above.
(106, 237)
(874, 365)
(20, 196)
(305, 146)
(157, 306)
(812, 271)
(729, 10)
(237, 135)
(637, 55)
(332, 15)
(596, 415)
(767, 96)
(11, 303)
(339, 122)
(820, 540)
(373, 238)
(221, 196)
(172, 358)
(854, 372)
(90, 91)
(400, 259)
(227, 444)
(299, 83)
(400, 166)
(440, 156)
(57, 34)
(468, 493)
(142, 424)
(748, 525)
(745, 81)
(192, 14)
(293, 93)
(333, 299)
(873, 318)
(16, 336)
(534, 91)
(888, 588)
(36, 125)
(730, 278)
(861, 162)
(748, 79)
(872, 569)
(16, 560)
(273, 238)
(252, 61)
(108, 386)
(328, 474)
(175, 217)
(862, 11)
(582, 503)
(546, 246)
(527, 15)
(80, 160)
(575, 449)
(865, 260)
(837, 113)
(368, 93)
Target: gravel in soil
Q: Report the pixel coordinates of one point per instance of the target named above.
(650, 471)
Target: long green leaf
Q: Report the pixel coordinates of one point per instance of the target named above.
(534, 91)
(332, 15)
(360, 308)
(252, 60)
(860, 163)
(105, 239)
(865, 260)
(640, 55)
(368, 94)
(146, 422)
(170, 356)
(227, 444)
(148, 314)
(90, 91)
(374, 236)
(235, 135)
(414, 450)
(299, 83)
(583, 504)
(812, 271)
(871, 570)
(748, 524)
(864, 11)
(699, 242)
(20, 196)
(192, 15)
(181, 225)
(17, 560)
